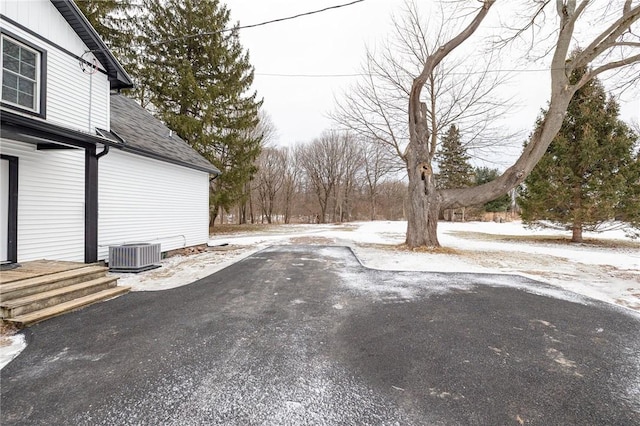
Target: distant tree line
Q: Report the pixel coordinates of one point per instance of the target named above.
(341, 177)
(334, 178)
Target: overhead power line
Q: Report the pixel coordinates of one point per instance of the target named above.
(360, 74)
(299, 15)
(310, 75)
(260, 24)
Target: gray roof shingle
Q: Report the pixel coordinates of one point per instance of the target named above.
(142, 133)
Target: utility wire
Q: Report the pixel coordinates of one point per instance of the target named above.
(372, 75)
(313, 12)
(243, 27)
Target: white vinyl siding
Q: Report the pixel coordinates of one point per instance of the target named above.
(69, 97)
(145, 200)
(69, 90)
(50, 202)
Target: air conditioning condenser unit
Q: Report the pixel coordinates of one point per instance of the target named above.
(134, 257)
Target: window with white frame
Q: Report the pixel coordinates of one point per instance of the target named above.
(21, 77)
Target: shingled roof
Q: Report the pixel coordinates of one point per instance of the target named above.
(137, 131)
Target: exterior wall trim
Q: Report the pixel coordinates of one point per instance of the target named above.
(154, 156)
(36, 132)
(43, 130)
(27, 127)
(46, 40)
(12, 236)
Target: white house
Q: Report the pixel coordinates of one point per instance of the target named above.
(83, 167)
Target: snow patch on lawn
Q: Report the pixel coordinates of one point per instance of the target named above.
(610, 274)
(574, 272)
(11, 348)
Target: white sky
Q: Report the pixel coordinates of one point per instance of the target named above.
(334, 42)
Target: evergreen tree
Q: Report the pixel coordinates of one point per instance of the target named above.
(629, 208)
(453, 162)
(454, 168)
(198, 76)
(588, 175)
(484, 175)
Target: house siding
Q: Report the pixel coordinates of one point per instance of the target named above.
(70, 92)
(50, 202)
(145, 200)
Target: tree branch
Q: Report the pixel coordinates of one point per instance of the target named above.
(606, 39)
(607, 67)
(434, 59)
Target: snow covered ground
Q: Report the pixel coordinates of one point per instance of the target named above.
(608, 270)
(607, 267)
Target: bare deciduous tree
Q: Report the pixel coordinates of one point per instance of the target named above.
(391, 199)
(614, 47)
(350, 178)
(290, 183)
(461, 90)
(378, 162)
(322, 161)
(265, 129)
(269, 179)
(319, 164)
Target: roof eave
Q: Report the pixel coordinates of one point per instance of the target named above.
(145, 153)
(118, 77)
(39, 131)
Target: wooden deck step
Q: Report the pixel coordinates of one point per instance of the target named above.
(38, 301)
(29, 286)
(53, 311)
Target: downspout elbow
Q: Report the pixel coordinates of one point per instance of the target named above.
(104, 152)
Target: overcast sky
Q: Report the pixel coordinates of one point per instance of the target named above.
(333, 43)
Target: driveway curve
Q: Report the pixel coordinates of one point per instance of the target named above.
(306, 335)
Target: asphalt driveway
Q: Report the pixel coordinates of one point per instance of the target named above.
(306, 335)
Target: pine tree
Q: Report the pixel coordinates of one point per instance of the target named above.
(484, 175)
(198, 76)
(629, 208)
(453, 162)
(589, 175)
(454, 168)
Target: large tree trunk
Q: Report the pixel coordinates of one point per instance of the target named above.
(422, 218)
(424, 200)
(323, 213)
